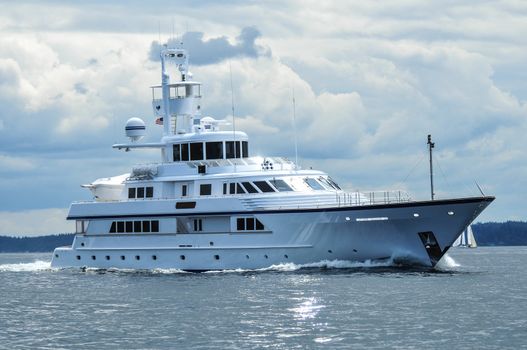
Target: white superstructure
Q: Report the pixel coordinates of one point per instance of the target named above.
(209, 204)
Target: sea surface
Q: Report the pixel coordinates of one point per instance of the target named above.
(476, 299)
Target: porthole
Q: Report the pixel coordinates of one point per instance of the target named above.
(78, 257)
(154, 257)
(56, 255)
(247, 256)
(107, 257)
(93, 257)
(122, 257)
(354, 250)
(330, 251)
(211, 243)
(182, 257)
(416, 215)
(265, 256)
(450, 213)
(217, 257)
(82, 244)
(286, 256)
(137, 257)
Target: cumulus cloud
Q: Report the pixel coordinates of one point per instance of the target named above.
(209, 51)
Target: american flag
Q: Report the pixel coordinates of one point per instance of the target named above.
(159, 121)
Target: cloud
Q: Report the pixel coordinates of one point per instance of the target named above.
(35, 222)
(214, 50)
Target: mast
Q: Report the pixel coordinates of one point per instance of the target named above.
(430, 146)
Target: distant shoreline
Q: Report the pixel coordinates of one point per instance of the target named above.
(489, 234)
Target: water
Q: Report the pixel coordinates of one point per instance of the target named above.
(477, 299)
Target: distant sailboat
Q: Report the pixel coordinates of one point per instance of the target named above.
(466, 239)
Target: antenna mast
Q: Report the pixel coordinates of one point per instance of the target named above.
(294, 130)
(430, 146)
(233, 119)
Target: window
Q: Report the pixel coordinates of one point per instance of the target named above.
(131, 192)
(326, 183)
(198, 225)
(149, 192)
(214, 150)
(196, 151)
(245, 149)
(81, 226)
(184, 151)
(333, 183)
(146, 226)
(232, 188)
(224, 188)
(120, 226)
(134, 226)
(249, 187)
(205, 189)
(249, 224)
(240, 224)
(280, 185)
(175, 151)
(140, 192)
(264, 186)
(240, 189)
(229, 149)
(314, 184)
(183, 190)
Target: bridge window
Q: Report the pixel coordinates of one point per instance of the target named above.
(239, 188)
(314, 184)
(196, 151)
(131, 192)
(264, 186)
(214, 150)
(280, 185)
(249, 187)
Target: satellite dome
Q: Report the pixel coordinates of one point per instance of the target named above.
(135, 129)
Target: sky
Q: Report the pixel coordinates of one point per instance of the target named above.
(370, 79)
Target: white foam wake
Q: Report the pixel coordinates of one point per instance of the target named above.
(325, 264)
(38, 265)
(447, 263)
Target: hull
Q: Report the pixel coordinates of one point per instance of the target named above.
(409, 233)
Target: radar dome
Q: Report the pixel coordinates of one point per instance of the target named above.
(135, 129)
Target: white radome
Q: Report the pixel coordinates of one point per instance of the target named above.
(135, 129)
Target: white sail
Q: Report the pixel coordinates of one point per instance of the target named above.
(466, 239)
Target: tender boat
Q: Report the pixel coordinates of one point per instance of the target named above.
(210, 205)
